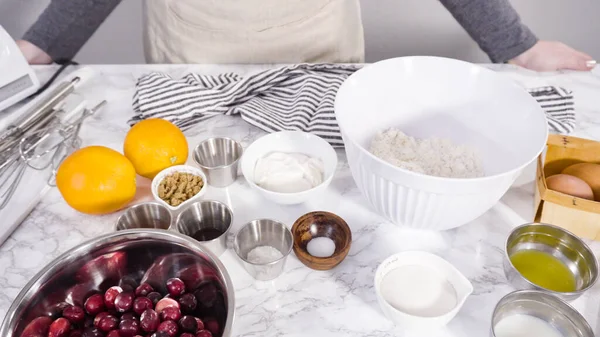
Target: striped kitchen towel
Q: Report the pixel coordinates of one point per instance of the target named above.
(298, 97)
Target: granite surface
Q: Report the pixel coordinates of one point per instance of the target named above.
(304, 302)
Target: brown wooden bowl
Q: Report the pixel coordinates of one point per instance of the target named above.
(321, 224)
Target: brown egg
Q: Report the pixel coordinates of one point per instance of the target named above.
(588, 172)
(570, 185)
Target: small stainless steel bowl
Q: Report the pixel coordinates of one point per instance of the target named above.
(219, 158)
(558, 242)
(205, 215)
(549, 308)
(263, 232)
(147, 255)
(144, 215)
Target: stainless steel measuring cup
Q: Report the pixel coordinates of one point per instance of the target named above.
(219, 158)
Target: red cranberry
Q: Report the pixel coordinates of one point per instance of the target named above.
(129, 328)
(143, 289)
(74, 314)
(99, 317)
(124, 301)
(166, 303)
(108, 323)
(203, 333)
(140, 304)
(55, 311)
(175, 286)
(76, 333)
(128, 282)
(188, 324)
(155, 297)
(187, 334)
(199, 323)
(149, 320)
(188, 303)
(160, 334)
(169, 327)
(170, 314)
(128, 288)
(114, 333)
(211, 325)
(110, 295)
(129, 316)
(59, 328)
(92, 332)
(38, 327)
(206, 295)
(89, 322)
(94, 304)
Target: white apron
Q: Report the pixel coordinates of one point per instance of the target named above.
(253, 31)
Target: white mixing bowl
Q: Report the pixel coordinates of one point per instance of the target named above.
(438, 97)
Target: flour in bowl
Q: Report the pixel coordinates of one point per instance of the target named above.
(431, 156)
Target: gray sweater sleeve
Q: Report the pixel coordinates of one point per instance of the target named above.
(494, 25)
(65, 25)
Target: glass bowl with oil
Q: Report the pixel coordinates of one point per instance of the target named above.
(551, 259)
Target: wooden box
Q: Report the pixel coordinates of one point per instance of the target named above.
(577, 215)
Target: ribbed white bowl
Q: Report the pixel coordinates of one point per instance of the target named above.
(427, 97)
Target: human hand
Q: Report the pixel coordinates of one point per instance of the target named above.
(32, 53)
(552, 56)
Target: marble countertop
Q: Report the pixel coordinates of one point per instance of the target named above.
(304, 302)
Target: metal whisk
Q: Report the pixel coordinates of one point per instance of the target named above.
(40, 149)
(39, 140)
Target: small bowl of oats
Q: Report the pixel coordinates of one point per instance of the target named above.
(179, 185)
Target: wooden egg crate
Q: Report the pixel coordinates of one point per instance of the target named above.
(577, 215)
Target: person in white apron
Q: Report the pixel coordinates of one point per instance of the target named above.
(253, 31)
(280, 31)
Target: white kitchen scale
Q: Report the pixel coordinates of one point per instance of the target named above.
(17, 78)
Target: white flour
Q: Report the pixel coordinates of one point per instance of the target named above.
(264, 254)
(431, 156)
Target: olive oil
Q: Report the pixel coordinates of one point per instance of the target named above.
(544, 270)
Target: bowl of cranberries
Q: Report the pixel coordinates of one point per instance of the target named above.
(129, 283)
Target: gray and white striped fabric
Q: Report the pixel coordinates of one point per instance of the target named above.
(559, 107)
(299, 97)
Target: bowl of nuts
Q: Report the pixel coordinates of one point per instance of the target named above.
(179, 185)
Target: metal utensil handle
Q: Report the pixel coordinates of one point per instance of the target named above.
(66, 148)
(45, 106)
(17, 168)
(38, 112)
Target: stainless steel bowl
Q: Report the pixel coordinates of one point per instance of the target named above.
(218, 158)
(150, 255)
(544, 306)
(145, 215)
(263, 232)
(207, 215)
(558, 242)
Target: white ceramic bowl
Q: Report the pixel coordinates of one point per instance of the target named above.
(290, 141)
(437, 97)
(461, 285)
(178, 168)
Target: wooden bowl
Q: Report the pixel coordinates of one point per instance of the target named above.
(321, 224)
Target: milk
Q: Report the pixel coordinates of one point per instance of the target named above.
(524, 326)
(418, 291)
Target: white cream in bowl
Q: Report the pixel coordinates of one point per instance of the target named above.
(288, 172)
(324, 159)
